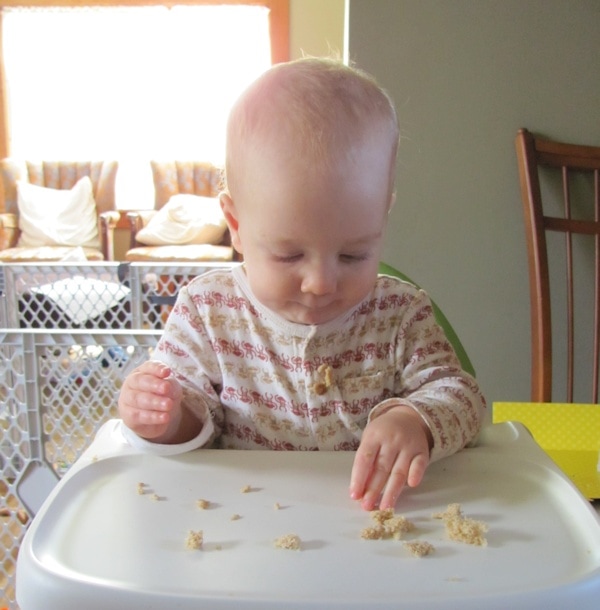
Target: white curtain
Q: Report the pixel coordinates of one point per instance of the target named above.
(129, 83)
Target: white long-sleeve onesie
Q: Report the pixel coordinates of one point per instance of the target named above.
(261, 382)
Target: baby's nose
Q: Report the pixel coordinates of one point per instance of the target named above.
(320, 279)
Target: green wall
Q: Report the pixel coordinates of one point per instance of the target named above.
(465, 75)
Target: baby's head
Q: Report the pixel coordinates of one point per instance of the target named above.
(310, 112)
(310, 167)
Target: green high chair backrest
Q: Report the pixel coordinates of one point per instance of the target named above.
(465, 362)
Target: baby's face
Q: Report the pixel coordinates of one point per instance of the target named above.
(312, 241)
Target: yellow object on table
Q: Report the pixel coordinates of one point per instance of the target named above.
(569, 433)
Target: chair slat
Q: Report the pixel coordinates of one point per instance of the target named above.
(569, 288)
(596, 360)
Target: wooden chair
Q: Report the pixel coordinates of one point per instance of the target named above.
(57, 175)
(172, 178)
(560, 190)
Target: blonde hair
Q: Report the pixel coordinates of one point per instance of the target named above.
(320, 108)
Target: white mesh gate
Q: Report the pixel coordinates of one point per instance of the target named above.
(92, 295)
(57, 388)
(69, 334)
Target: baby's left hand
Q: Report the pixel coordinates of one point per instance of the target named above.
(394, 451)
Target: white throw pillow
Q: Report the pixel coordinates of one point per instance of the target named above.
(185, 219)
(82, 298)
(57, 217)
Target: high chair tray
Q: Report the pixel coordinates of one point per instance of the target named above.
(97, 543)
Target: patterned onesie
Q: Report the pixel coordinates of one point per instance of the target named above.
(259, 381)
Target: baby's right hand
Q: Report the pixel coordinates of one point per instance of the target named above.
(150, 400)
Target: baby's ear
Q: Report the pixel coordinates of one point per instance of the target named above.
(229, 211)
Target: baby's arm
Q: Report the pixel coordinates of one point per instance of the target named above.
(442, 414)
(150, 404)
(394, 451)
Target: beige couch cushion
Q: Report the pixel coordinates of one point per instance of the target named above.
(185, 253)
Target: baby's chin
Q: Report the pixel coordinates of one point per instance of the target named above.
(312, 316)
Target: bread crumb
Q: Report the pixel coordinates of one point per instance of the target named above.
(388, 525)
(155, 497)
(380, 516)
(203, 504)
(290, 542)
(462, 529)
(194, 540)
(235, 517)
(453, 511)
(467, 530)
(419, 548)
(373, 532)
(276, 506)
(398, 525)
(141, 488)
(246, 489)
(326, 372)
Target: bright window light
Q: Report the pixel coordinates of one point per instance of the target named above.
(129, 83)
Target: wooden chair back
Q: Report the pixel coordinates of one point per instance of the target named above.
(560, 191)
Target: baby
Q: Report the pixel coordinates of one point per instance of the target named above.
(304, 346)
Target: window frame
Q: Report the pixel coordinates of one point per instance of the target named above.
(278, 25)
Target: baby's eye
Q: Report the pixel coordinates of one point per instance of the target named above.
(287, 258)
(353, 258)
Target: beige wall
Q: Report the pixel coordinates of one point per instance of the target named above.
(465, 75)
(316, 27)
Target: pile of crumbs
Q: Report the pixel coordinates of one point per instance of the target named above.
(290, 542)
(387, 525)
(419, 548)
(194, 540)
(462, 529)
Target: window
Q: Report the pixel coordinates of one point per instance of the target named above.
(129, 83)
